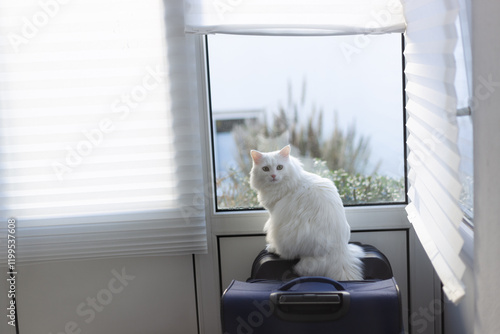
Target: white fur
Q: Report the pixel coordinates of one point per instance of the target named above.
(307, 219)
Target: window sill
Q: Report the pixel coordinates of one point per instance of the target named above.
(383, 217)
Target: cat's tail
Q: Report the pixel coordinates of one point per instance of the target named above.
(353, 266)
(342, 266)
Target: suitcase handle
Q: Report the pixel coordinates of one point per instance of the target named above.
(310, 306)
(305, 279)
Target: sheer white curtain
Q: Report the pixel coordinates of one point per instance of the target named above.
(434, 157)
(99, 135)
(294, 17)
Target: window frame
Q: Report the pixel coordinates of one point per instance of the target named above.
(369, 218)
(212, 139)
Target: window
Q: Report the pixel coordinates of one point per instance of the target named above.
(337, 100)
(464, 103)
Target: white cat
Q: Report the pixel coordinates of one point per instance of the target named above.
(307, 219)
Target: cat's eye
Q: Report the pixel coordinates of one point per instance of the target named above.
(265, 169)
(280, 167)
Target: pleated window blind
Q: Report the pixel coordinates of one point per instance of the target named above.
(99, 133)
(434, 158)
(294, 17)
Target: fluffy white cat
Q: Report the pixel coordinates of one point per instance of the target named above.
(307, 218)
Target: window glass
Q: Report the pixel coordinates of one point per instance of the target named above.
(464, 119)
(337, 100)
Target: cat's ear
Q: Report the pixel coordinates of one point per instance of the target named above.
(256, 156)
(285, 151)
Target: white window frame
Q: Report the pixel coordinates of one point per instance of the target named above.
(224, 223)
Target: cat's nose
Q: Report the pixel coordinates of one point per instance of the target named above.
(273, 176)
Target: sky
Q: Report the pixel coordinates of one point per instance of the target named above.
(359, 77)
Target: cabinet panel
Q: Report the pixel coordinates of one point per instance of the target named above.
(236, 256)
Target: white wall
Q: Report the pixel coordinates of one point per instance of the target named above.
(486, 68)
(459, 319)
(143, 295)
(479, 311)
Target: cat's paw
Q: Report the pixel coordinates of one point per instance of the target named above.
(270, 248)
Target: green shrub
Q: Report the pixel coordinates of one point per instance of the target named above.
(234, 191)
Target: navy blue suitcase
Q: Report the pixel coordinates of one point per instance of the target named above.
(312, 305)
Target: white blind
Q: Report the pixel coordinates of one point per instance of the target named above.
(99, 133)
(434, 158)
(294, 17)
